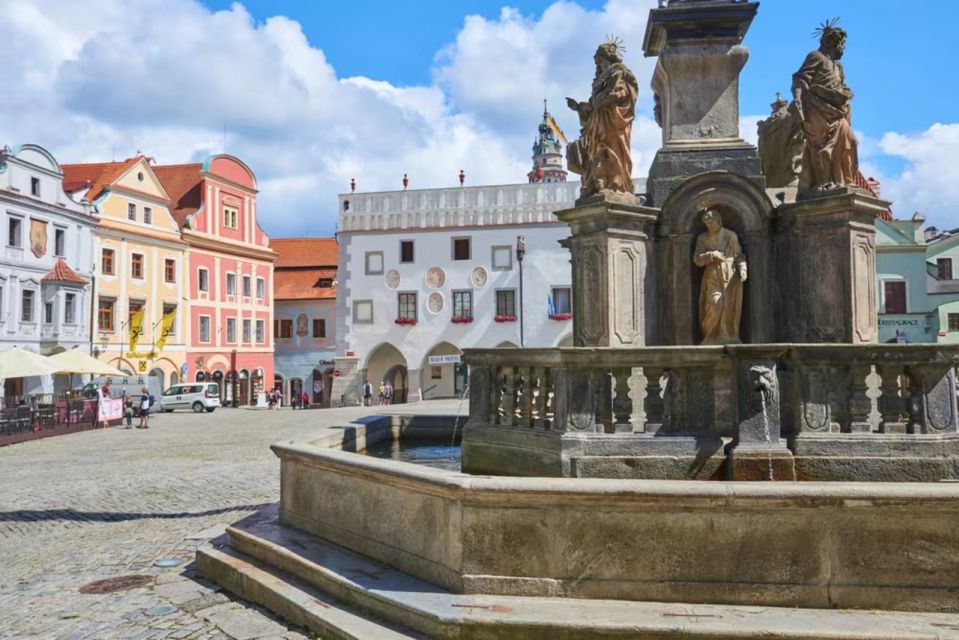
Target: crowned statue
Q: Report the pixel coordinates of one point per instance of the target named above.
(724, 272)
(602, 154)
(822, 103)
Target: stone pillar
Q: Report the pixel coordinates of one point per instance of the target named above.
(346, 389)
(696, 89)
(414, 385)
(610, 257)
(826, 256)
(759, 452)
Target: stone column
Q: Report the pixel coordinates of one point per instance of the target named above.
(696, 89)
(414, 385)
(826, 257)
(759, 452)
(610, 257)
(346, 391)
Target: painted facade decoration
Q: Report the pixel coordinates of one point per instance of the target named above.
(140, 261)
(229, 275)
(305, 317)
(45, 264)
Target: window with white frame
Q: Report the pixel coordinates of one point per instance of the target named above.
(35, 187)
(406, 306)
(231, 284)
(147, 215)
(204, 328)
(502, 259)
(70, 308)
(247, 330)
(229, 217)
(60, 242)
(363, 312)
(246, 286)
(462, 304)
(15, 232)
(562, 300)
(506, 302)
(944, 266)
(260, 288)
(231, 330)
(131, 211)
(203, 280)
(26, 305)
(48, 312)
(260, 331)
(374, 263)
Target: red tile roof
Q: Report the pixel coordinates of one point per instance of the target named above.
(98, 175)
(182, 184)
(303, 284)
(305, 252)
(61, 272)
(871, 185)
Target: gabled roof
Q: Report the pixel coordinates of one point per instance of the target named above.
(182, 184)
(305, 252)
(96, 177)
(61, 272)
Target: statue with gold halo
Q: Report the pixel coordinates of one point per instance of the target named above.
(724, 272)
(602, 154)
(823, 104)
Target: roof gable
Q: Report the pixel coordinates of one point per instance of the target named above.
(183, 184)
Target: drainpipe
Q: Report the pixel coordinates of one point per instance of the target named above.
(93, 309)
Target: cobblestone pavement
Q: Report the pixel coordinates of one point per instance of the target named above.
(102, 504)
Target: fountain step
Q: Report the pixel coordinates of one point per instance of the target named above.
(321, 586)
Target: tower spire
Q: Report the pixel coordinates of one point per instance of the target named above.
(548, 151)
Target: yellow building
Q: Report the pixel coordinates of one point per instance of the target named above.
(140, 289)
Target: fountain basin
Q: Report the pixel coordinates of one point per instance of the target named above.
(886, 546)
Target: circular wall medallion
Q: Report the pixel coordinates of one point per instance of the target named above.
(435, 278)
(435, 302)
(392, 278)
(479, 277)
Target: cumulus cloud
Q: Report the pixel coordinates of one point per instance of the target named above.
(107, 78)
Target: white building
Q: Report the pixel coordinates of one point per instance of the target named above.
(46, 264)
(427, 273)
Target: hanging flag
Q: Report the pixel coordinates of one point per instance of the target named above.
(136, 328)
(549, 304)
(165, 327)
(555, 127)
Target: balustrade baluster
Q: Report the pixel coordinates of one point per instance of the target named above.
(891, 401)
(549, 398)
(653, 403)
(860, 406)
(520, 403)
(505, 404)
(622, 403)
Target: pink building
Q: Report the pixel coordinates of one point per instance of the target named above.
(229, 271)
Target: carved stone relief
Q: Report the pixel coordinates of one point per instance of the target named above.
(435, 278)
(392, 278)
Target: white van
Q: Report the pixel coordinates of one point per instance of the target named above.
(191, 395)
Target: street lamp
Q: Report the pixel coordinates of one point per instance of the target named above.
(520, 253)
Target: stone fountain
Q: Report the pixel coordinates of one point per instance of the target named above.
(722, 332)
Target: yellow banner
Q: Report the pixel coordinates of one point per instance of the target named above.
(555, 127)
(165, 327)
(136, 328)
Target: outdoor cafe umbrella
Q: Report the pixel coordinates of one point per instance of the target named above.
(75, 361)
(19, 363)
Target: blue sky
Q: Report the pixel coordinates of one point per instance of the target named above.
(313, 93)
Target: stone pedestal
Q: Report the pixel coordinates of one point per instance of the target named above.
(826, 256)
(759, 452)
(610, 250)
(347, 387)
(696, 87)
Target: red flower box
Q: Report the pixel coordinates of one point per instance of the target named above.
(561, 316)
(504, 319)
(405, 321)
(462, 319)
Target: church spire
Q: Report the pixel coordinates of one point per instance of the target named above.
(548, 151)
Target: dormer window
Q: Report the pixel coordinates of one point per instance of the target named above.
(229, 217)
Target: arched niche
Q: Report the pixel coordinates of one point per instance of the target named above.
(746, 210)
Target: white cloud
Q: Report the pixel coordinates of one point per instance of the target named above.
(929, 182)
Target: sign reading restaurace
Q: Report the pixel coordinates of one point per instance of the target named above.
(454, 359)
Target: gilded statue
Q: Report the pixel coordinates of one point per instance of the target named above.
(602, 154)
(822, 102)
(724, 272)
(781, 146)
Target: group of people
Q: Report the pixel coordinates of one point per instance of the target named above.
(385, 393)
(297, 400)
(133, 406)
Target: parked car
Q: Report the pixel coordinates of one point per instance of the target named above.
(123, 386)
(198, 396)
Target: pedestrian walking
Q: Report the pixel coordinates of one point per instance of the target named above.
(305, 400)
(144, 409)
(389, 392)
(295, 399)
(382, 393)
(367, 393)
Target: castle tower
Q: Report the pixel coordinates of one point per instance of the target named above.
(548, 152)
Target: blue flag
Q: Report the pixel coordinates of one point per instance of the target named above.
(549, 303)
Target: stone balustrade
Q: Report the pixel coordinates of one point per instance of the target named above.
(762, 398)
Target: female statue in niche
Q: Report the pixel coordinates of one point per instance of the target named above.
(721, 294)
